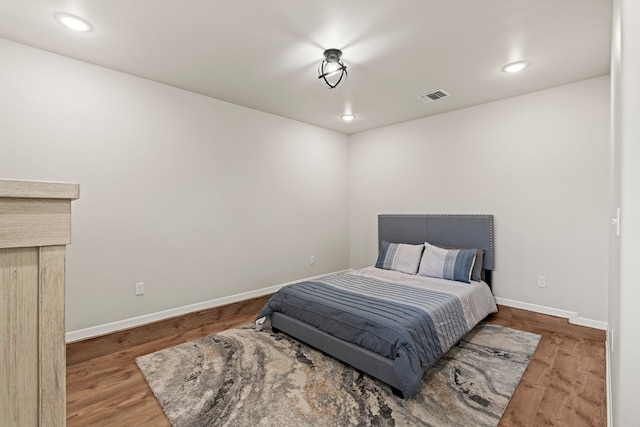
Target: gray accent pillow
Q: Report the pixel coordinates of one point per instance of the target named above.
(478, 266)
(399, 257)
(450, 264)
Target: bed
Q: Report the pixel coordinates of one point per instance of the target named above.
(393, 321)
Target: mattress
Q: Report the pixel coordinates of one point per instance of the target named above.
(411, 320)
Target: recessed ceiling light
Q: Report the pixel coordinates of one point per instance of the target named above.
(74, 22)
(348, 117)
(514, 67)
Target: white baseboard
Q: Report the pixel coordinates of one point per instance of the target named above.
(133, 322)
(119, 325)
(571, 316)
(590, 323)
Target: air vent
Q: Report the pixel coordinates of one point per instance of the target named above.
(433, 96)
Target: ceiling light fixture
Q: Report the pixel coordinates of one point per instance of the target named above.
(74, 22)
(348, 117)
(514, 67)
(332, 70)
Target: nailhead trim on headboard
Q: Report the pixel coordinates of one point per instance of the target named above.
(459, 232)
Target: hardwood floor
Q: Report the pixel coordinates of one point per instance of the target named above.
(564, 384)
(105, 386)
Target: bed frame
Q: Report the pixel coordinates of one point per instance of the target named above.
(463, 231)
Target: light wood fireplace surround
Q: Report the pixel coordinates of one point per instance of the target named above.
(35, 227)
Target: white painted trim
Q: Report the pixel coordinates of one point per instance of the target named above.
(536, 308)
(608, 371)
(571, 316)
(119, 325)
(590, 323)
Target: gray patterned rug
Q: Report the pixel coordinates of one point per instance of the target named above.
(242, 377)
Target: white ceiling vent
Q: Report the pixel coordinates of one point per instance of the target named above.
(433, 96)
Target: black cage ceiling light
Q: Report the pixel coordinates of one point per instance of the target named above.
(332, 70)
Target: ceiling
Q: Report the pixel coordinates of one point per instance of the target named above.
(264, 54)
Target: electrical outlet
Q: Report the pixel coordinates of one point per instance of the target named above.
(139, 288)
(312, 260)
(542, 282)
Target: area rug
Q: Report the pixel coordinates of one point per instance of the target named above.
(243, 377)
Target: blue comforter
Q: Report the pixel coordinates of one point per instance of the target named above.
(410, 325)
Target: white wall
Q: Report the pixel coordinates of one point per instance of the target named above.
(613, 371)
(624, 340)
(538, 162)
(202, 199)
(197, 198)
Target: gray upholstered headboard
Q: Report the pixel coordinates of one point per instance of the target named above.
(463, 231)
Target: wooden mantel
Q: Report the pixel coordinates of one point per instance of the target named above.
(35, 226)
(34, 213)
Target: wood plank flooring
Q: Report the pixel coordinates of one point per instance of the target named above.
(565, 383)
(563, 386)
